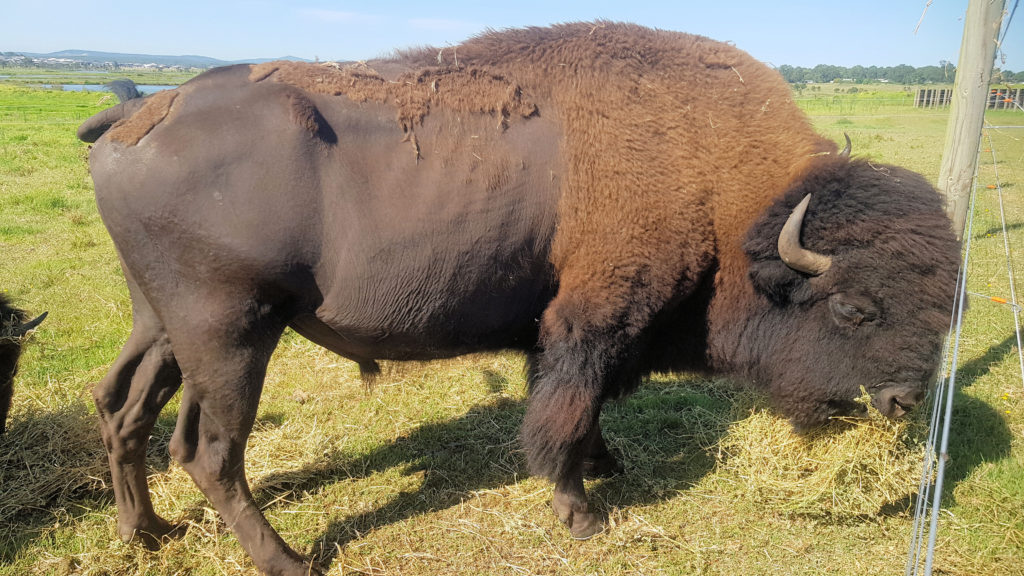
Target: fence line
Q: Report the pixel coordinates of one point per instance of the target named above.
(1009, 262)
(942, 414)
(929, 498)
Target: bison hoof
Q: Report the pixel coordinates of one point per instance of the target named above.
(602, 467)
(585, 524)
(152, 534)
(582, 524)
(287, 566)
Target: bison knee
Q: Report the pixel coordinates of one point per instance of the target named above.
(555, 427)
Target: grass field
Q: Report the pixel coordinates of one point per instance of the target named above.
(424, 475)
(34, 77)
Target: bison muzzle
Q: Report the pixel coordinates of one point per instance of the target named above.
(606, 198)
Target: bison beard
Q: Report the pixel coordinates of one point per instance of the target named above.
(574, 192)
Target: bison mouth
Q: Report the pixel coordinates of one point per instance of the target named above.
(893, 400)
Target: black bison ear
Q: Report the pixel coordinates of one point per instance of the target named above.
(779, 283)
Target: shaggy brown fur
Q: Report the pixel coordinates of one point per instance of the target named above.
(134, 128)
(651, 119)
(412, 93)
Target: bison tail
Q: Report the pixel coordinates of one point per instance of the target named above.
(124, 89)
(91, 130)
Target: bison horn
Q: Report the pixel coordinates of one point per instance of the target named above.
(792, 253)
(849, 146)
(30, 325)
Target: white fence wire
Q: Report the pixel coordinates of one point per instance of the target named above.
(928, 507)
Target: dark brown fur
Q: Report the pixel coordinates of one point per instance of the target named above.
(11, 319)
(601, 196)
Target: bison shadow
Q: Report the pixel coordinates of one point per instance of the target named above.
(661, 444)
(664, 448)
(978, 432)
(663, 434)
(998, 230)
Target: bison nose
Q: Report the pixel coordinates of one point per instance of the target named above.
(895, 401)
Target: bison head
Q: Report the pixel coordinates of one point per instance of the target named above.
(13, 329)
(855, 268)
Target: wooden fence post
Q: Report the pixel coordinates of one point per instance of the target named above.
(967, 114)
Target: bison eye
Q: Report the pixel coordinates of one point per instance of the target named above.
(852, 310)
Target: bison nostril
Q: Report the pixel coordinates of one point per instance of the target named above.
(896, 401)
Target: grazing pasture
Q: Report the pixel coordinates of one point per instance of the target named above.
(424, 475)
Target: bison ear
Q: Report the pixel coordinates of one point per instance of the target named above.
(779, 283)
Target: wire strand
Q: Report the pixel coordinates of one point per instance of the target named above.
(1009, 263)
(941, 413)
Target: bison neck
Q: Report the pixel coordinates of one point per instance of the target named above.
(734, 306)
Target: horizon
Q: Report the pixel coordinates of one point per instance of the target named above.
(796, 33)
(83, 52)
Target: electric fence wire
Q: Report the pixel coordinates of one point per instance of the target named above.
(1006, 26)
(942, 405)
(1006, 248)
(928, 468)
(942, 411)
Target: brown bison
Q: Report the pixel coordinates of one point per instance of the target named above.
(609, 199)
(14, 325)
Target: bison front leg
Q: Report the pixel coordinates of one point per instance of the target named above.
(580, 362)
(224, 368)
(560, 419)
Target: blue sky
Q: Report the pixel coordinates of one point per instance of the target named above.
(799, 33)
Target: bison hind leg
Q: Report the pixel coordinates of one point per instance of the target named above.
(226, 359)
(599, 462)
(128, 400)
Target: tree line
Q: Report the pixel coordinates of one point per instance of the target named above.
(822, 73)
(944, 73)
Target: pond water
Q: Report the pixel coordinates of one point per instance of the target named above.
(144, 88)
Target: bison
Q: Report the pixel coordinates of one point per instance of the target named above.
(610, 200)
(14, 325)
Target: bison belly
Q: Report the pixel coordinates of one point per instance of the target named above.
(438, 246)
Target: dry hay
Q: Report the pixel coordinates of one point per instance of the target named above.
(856, 468)
(50, 458)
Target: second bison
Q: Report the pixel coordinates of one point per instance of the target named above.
(14, 325)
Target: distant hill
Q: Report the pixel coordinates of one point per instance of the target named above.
(92, 58)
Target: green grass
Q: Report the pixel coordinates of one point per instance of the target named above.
(424, 475)
(40, 76)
